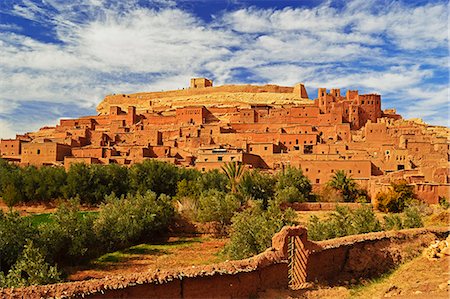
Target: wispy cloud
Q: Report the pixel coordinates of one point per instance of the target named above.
(107, 46)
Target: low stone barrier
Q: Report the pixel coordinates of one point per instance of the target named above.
(319, 206)
(329, 261)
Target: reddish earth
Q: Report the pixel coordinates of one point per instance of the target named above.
(175, 253)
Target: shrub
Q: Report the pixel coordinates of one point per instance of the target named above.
(252, 230)
(123, 221)
(294, 177)
(289, 194)
(14, 233)
(364, 220)
(392, 222)
(397, 198)
(214, 205)
(30, 269)
(413, 218)
(69, 238)
(258, 185)
(343, 222)
(443, 202)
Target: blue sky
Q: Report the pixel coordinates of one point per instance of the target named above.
(60, 58)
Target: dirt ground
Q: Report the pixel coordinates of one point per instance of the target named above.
(38, 208)
(175, 253)
(419, 278)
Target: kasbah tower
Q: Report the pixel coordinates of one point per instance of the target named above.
(268, 127)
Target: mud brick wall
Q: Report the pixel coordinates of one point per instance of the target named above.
(329, 261)
(367, 255)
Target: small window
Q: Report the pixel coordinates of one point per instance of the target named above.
(317, 181)
(38, 151)
(306, 169)
(219, 158)
(203, 168)
(265, 148)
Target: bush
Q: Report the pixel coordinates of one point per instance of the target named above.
(126, 220)
(30, 269)
(258, 185)
(413, 218)
(397, 198)
(289, 194)
(252, 230)
(392, 222)
(294, 178)
(443, 202)
(343, 222)
(214, 205)
(14, 233)
(69, 238)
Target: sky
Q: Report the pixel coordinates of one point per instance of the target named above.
(59, 58)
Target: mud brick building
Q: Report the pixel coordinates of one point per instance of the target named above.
(267, 127)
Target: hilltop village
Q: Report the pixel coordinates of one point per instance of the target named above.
(267, 127)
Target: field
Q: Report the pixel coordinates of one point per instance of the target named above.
(174, 253)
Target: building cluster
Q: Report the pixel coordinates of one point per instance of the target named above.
(332, 132)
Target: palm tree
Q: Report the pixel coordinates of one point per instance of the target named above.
(344, 184)
(234, 172)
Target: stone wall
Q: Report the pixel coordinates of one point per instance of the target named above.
(329, 261)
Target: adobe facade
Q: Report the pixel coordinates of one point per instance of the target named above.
(267, 127)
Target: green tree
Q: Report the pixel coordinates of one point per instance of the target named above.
(345, 185)
(69, 238)
(252, 230)
(126, 220)
(151, 175)
(234, 172)
(214, 205)
(290, 178)
(14, 231)
(258, 185)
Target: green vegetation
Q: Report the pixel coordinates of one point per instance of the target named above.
(292, 186)
(443, 202)
(71, 237)
(137, 204)
(252, 230)
(214, 205)
(234, 172)
(397, 198)
(344, 221)
(30, 269)
(347, 187)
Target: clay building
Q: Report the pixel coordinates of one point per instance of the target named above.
(267, 127)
